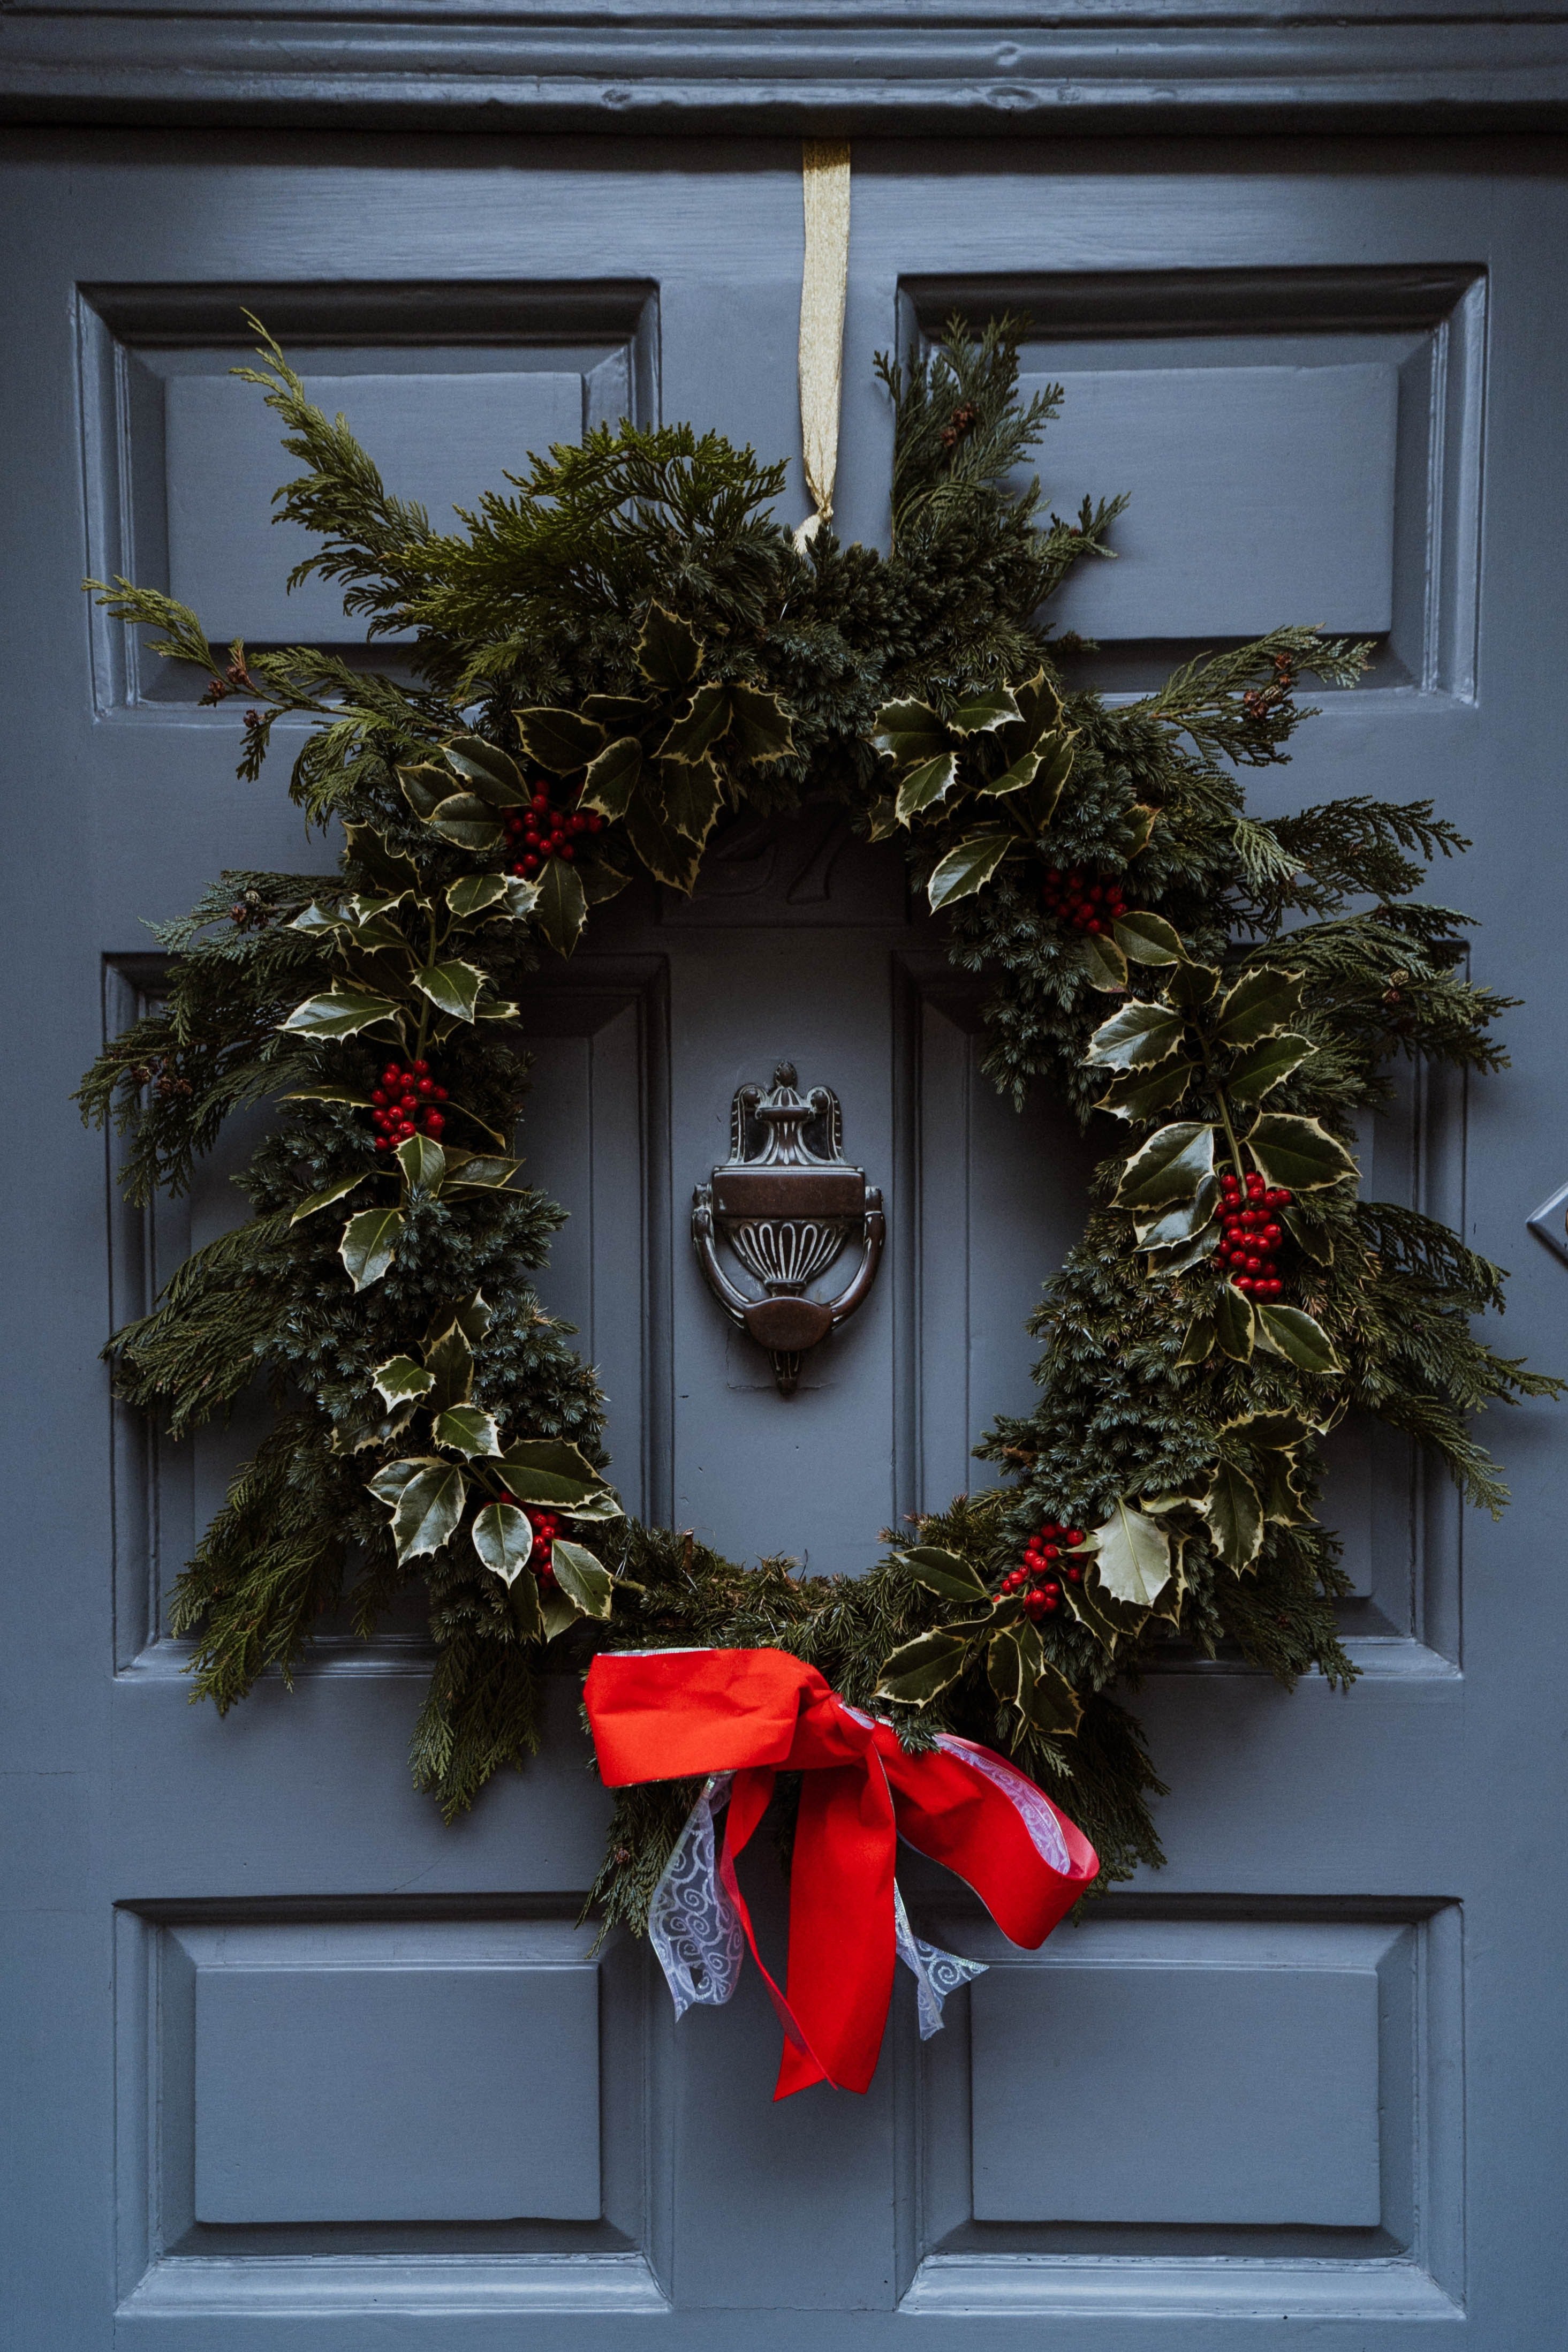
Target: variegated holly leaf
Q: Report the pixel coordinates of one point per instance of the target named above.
(339, 1012)
(1260, 1004)
(1107, 966)
(427, 1499)
(925, 786)
(490, 774)
(1174, 1164)
(944, 1572)
(1266, 1066)
(1143, 1095)
(423, 1163)
(1133, 1557)
(613, 778)
(1299, 1338)
(401, 1381)
(328, 1193)
(910, 731)
(561, 740)
(560, 909)
(1233, 1511)
(467, 1429)
(1299, 1153)
(1136, 1036)
(370, 1244)
(968, 868)
(504, 1540)
(983, 711)
(669, 653)
(582, 1576)
(1235, 1323)
(1148, 938)
(919, 1669)
(453, 987)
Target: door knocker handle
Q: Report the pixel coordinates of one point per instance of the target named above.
(787, 1202)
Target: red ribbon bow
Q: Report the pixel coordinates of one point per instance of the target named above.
(666, 1715)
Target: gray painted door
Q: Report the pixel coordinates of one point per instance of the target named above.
(290, 2064)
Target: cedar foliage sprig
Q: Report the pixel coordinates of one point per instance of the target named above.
(629, 635)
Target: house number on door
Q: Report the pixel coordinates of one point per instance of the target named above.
(786, 1201)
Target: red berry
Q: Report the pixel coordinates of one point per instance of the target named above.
(383, 1143)
(566, 851)
(433, 1122)
(1075, 1535)
(1075, 1576)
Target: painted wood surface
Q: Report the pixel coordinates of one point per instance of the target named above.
(1311, 2073)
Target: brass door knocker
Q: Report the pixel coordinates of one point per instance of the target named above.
(787, 1201)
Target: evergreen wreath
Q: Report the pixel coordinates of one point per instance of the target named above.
(606, 658)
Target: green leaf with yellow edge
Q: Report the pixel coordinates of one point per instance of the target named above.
(466, 822)
(613, 778)
(699, 725)
(546, 1489)
(668, 858)
(504, 1540)
(1191, 985)
(601, 880)
(1013, 1656)
(1055, 767)
(982, 712)
(693, 798)
(328, 1193)
(339, 1012)
(426, 1500)
(759, 726)
(1198, 1345)
(669, 652)
(916, 1672)
(909, 731)
(490, 774)
(453, 987)
(477, 894)
(1235, 1324)
(1298, 1154)
(467, 1429)
(424, 786)
(1298, 1337)
(1266, 1066)
(561, 740)
(582, 1576)
(1050, 1707)
(370, 1244)
(1133, 1557)
(1145, 938)
(945, 1573)
(1136, 1036)
(561, 908)
(1181, 1220)
(1146, 1095)
(556, 1453)
(402, 1382)
(423, 1163)
(1234, 1510)
(926, 784)
(968, 868)
(1106, 965)
(1260, 1004)
(328, 1092)
(1175, 1165)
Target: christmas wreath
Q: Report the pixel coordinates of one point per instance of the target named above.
(606, 658)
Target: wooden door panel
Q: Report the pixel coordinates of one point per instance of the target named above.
(1300, 2075)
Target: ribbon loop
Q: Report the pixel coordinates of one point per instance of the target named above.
(751, 1714)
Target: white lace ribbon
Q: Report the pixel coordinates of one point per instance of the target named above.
(937, 1973)
(693, 1926)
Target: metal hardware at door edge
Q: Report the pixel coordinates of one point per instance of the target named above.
(787, 1209)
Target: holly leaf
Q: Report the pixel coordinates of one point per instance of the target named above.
(503, 1539)
(477, 894)
(1275, 1432)
(1149, 938)
(317, 919)
(401, 1381)
(669, 653)
(339, 1012)
(424, 787)
(328, 1091)
(982, 712)
(760, 727)
(423, 1163)
(1264, 1066)
(1134, 1560)
(1234, 1510)
(1107, 966)
(699, 725)
(582, 1576)
(611, 778)
(1055, 767)
(693, 798)
(330, 1192)
(667, 857)
(449, 1357)
(1167, 1259)
(466, 822)
(1235, 1324)
(1050, 1707)
(467, 1429)
(1298, 1154)
(428, 1509)
(452, 987)
(388, 869)
(1136, 1036)
(1299, 1338)
(1182, 1222)
(1146, 1095)
(488, 771)
(924, 785)
(1191, 985)
(1173, 1165)
(916, 1672)
(968, 868)
(547, 1489)
(1260, 1004)
(599, 1502)
(561, 740)
(561, 908)
(908, 731)
(478, 1172)
(1198, 1345)
(556, 1453)
(1013, 779)
(1308, 1235)
(601, 880)
(370, 1244)
(944, 1572)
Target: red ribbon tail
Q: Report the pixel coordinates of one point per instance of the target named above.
(748, 1800)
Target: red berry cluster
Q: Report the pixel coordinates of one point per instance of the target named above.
(1084, 900)
(1040, 1571)
(541, 831)
(407, 1102)
(546, 1526)
(1252, 1234)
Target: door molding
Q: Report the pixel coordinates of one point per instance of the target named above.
(971, 66)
